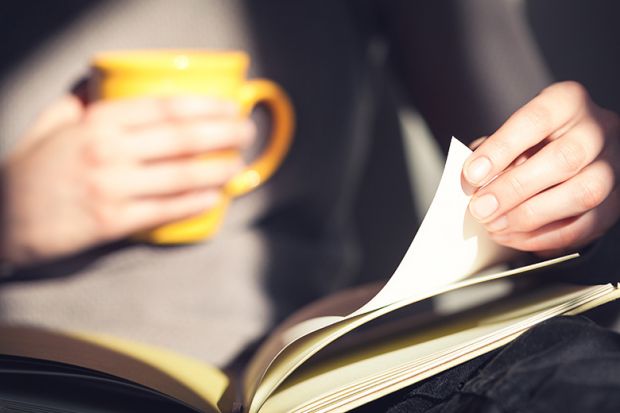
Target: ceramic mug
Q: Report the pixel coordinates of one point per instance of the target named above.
(134, 73)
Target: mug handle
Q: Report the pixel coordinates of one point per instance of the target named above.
(265, 91)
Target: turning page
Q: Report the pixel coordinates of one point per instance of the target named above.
(449, 245)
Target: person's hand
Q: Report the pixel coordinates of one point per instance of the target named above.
(83, 176)
(546, 179)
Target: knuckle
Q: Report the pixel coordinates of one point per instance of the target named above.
(591, 194)
(539, 116)
(571, 156)
(566, 236)
(97, 188)
(106, 221)
(517, 187)
(498, 151)
(528, 218)
(190, 140)
(187, 176)
(574, 90)
(96, 152)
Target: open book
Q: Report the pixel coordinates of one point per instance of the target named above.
(332, 357)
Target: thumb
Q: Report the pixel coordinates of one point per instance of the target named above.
(67, 110)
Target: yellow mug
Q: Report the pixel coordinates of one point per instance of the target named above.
(131, 73)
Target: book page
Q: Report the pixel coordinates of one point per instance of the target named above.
(449, 245)
(259, 386)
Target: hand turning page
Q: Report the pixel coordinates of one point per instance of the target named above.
(450, 244)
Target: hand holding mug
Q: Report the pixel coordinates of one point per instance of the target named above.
(158, 154)
(218, 75)
(83, 176)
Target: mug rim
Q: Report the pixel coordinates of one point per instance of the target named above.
(169, 59)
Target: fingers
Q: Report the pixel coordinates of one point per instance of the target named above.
(147, 111)
(539, 119)
(126, 166)
(144, 130)
(572, 232)
(555, 163)
(578, 195)
(153, 212)
(127, 199)
(546, 179)
(188, 138)
(149, 168)
(170, 178)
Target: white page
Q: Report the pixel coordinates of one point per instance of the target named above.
(450, 244)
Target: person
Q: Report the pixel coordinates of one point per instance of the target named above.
(83, 177)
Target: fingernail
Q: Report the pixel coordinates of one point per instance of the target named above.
(484, 206)
(498, 224)
(478, 170)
